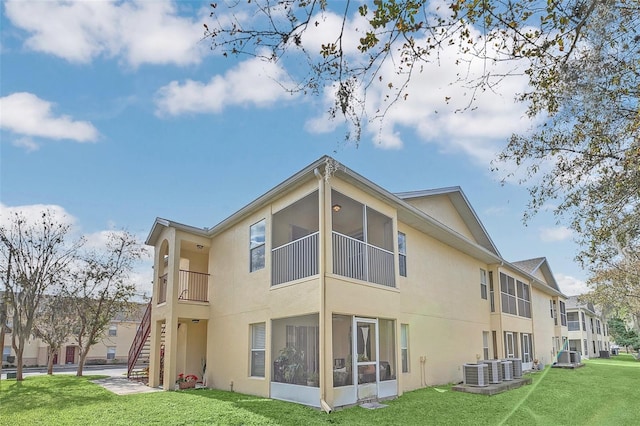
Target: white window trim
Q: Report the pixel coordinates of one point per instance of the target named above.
(402, 254)
(258, 245)
(404, 346)
(484, 291)
(109, 352)
(252, 350)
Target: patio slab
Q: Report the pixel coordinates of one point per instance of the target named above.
(494, 389)
(123, 386)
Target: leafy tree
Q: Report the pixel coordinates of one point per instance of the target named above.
(586, 151)
(101, 288)
(615, 283)
(581, 155)
(34, 258)
(622, 335)
(53, 324)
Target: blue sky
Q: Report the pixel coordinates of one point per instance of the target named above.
(116, 113)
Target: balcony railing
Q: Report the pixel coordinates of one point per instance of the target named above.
(295, 260)
(193, 286)
(162, 289)
(356, 259)
(574, 325)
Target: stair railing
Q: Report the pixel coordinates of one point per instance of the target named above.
(144, 329)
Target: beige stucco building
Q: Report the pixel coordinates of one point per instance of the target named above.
(588, 329)
(330, 288)
(113, 347)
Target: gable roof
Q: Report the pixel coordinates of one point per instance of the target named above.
(464, 209)
(406, 212)
(531, 266)
(573, 302)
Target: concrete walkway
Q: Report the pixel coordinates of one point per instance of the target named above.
(117, 381)
(123, 386)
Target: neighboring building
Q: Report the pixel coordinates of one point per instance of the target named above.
(113, 346)
(588, 329)
(328, 287)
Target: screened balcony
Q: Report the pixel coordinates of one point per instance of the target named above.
(573, 322)
(362, 242)
(355, 259)
(574, 325)
(295, 238)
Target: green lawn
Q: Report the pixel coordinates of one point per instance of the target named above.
(601, 393)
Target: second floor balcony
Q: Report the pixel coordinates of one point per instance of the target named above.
(351, 258)
(192, 287)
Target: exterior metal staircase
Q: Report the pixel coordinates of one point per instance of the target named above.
(138, 361)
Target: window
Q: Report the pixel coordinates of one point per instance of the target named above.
(526, 348)
(113, 330)
(483, 284)
(524, 300)
(508, 293)
(491, 293)
(554, 312)
(584, 323)
(257, 245)
(598, 330)
(485, 344)
(591, 320)
(111, 352)
(509, 345)
(258, 334)
(6, 351)
(404, 347)
(586, 348)
(402, 253)
(563, 314)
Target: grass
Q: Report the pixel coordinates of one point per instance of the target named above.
(605, 391)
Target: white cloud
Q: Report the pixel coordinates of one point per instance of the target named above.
(33, 212)
(25, 114)
(139, 32)
(27, 143)
(559, 233)
(435, 99)
(571, 286)
(252, 82)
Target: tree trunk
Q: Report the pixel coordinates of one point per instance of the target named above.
(81, 359)
(2, 334)
(50, 362)
(19, 352)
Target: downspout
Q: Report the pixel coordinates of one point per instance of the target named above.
(321, 273)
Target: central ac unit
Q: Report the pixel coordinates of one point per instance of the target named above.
(476, 374)
(564, 357)
(507, 370)
(517, 367)
(495, 371)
